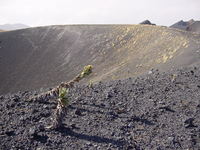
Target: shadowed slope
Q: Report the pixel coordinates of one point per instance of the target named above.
(45, 56)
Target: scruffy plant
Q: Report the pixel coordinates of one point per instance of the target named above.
(61, 93)
(61, 111)
(90, 84)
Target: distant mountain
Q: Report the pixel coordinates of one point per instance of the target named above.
(147, 22)
(190, 25)
(194, 27)
(8, 27)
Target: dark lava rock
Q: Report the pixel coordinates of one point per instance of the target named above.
(148, 112)
(78, 112)
(32, 131)
(189, 123)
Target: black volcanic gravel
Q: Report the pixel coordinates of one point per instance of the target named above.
(158, 111)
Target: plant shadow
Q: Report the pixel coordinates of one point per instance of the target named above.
(92, 138)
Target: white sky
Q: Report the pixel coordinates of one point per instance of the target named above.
(48, 12)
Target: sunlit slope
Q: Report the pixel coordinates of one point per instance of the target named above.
(45, 56)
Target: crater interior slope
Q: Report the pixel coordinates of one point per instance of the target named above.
(45, 56)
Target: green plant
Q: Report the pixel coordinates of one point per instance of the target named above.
(61, 93)
(63, 102)
(90, 84)
(63, 96)
(86, 71)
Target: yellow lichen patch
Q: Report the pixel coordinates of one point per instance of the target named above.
(185, 44)
(139, 47)
(123, 63)
(112, 44)
(114, 77)
(165, 58)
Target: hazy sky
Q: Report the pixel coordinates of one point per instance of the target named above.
(48, 12)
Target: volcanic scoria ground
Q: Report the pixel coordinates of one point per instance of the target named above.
(157, 111)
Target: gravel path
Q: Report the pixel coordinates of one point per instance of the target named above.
(158, 111)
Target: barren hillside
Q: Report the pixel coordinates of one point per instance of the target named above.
(44, 56)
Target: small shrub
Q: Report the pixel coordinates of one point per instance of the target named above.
(61, 93)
